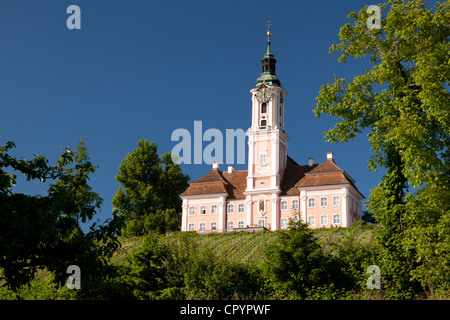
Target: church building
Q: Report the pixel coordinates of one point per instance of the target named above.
(274, 188)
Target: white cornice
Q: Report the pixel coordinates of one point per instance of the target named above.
(202, 196)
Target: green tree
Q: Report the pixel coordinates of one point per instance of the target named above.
(42, 231)
(295, 263)
(148, 195)
(404, 104)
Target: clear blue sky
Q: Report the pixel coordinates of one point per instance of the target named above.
(141, 69)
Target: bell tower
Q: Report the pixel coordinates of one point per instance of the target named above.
(267, 138)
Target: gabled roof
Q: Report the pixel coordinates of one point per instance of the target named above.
(215, 175)
(237, 183)
(293, 173)
(295, 176)
(327, 173)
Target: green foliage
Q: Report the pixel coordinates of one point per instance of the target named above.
(403, 103)
(295, 263)
(149, 188)
(42, 231)
(403, 99)
(182, 269)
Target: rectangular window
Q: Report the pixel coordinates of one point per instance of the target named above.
(323, 202)
(336, 201)
(311, 203)
(263, 158)
(202, 227)
(241, 224)
(191, 227)
(295, 204)
(284, 223)
(214, 209)
(336, 219)
(284, 205)
(241, 208)
(230, 225)
(230, 208)
(263, 123)
(264, 107)
(203, 210)
(213, 226)
(323, 220)
(192, 211)
(312, 220)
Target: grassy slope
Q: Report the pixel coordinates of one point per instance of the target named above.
(245, 246)
(241, 247)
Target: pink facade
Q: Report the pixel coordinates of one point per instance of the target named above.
(274, 188)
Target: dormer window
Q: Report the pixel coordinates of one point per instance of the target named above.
(264, 107)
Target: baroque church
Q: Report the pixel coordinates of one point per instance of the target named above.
(274, 188)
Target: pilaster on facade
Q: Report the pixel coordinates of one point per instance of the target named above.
(345, 206)
(222, 214)
(249, 203)
(303, 205)
(184, 215)
(275, 210)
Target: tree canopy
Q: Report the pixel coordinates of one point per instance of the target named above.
(43, 231)
(403, 102)
(148, 195)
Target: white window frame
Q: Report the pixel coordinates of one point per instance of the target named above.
(202, 210)
(230, 208)
(284, 223)
(240, 224)
(263, 158)
(191, 226)
(191, 211)
(284, 205)
(214, 209)
(336, 201)
(202, 227)
(213, 226)
(326, 220)
(312, 201)
(313, 219)
(338, 216)
(295, 204)
(241, 206)
(321, 202)
(230, 225)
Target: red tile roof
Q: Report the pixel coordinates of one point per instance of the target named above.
(295, 176)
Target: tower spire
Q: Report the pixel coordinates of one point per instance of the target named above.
(268, 63)
(269, 23)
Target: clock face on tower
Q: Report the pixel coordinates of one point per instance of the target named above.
(264, 94)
